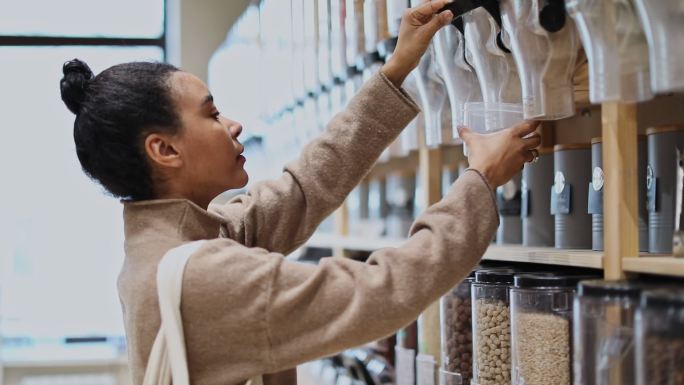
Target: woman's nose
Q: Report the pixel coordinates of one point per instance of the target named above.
(236, 130)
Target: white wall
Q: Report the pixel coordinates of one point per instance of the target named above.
(196, 28)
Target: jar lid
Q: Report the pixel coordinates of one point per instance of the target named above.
(665, 128)
(663, 298)
(548, 280)
(571, 146)
(600, 288)
(495, 276)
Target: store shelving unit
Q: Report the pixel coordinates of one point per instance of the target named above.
(663, 265)
(621, 255)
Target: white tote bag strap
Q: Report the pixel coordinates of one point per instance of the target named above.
(167, 359)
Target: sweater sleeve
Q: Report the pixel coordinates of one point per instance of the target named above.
(247, 311)
(281, 215)
(314, 311)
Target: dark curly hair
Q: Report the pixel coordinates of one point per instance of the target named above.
(115, 110)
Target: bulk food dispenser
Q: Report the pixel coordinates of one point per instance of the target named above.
(432, 94)
(545, 45)
(662, 21)
(356, 45)
(616, 49)
(458, 76)
(496, 71)
(413, 136)
(338, 57)
(325, 74)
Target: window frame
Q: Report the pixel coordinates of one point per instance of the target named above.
(38, 41)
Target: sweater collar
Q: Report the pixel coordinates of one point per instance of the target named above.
(179, 219)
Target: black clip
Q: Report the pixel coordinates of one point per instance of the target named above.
(552, 15)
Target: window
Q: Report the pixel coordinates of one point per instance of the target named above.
(61, 237)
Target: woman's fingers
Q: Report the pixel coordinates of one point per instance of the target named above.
(430, 7)
(525, 128)
(424, 14)
(463, 131)
(532, 141)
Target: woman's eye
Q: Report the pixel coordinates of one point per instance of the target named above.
(216, 115)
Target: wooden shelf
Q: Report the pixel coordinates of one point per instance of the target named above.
(663, 265)
(549, 256)
(543, 255)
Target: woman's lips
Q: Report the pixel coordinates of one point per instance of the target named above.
(241, 159)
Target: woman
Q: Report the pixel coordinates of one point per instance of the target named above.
(151, 135)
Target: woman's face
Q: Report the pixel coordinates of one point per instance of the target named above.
(211, 153)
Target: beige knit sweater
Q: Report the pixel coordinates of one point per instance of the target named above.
(246, 310)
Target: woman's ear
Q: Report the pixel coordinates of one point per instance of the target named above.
(163, 150)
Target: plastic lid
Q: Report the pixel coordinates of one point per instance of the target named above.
(495, 276)
(663, 298)
(548, 280)
(600, 288)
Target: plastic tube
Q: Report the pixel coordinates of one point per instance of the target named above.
(616, 48)
(496, 72)
(662, 21)
(458, 76)
(546, 59)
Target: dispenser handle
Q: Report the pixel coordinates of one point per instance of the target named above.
(459, 8)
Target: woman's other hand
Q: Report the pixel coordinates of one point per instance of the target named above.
(418, 26)
(501, 155)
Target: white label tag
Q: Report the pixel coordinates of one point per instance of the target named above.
(426, 369)
(406, 366)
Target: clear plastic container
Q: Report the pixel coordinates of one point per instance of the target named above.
(603, 332)
(483, 117)
(458, 76)
(495, 68)
(457, 335)
(662, 21)
(545, 53)
(491, 327)
(660, 338)
(541, 326)
(616, 48)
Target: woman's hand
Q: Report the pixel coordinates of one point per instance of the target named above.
(501, 155)
(418, 26)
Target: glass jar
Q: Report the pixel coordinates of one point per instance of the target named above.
(603, 332)
(541, 324)
(660, 338)
(456, 330)
(491, 327)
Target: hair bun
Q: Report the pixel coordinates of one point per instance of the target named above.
(77, 74)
